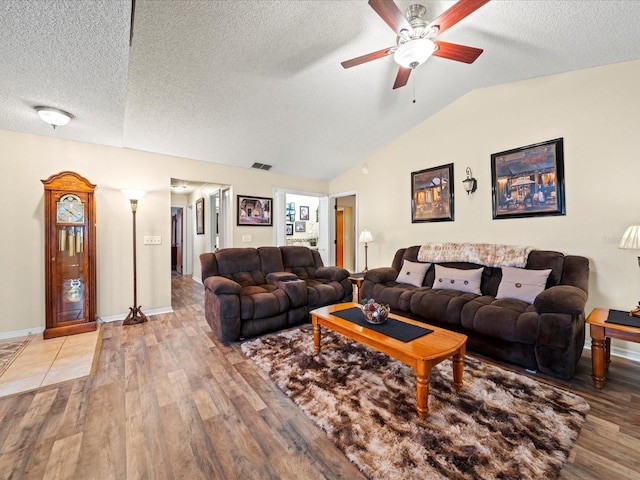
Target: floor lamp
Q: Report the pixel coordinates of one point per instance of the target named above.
(135, 315)
(365, 237)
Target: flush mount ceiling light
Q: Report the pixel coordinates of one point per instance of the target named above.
(54, 116)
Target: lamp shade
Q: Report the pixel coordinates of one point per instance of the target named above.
(365, 236)
(414, 52)
(133, 193)
(631, 238)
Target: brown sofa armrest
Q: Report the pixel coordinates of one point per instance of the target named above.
(295, 288)
(274, 278)
(222, 285)
(561, 299)
(381, 275)
(334, 274)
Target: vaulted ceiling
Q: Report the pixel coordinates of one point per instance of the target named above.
(238, 82)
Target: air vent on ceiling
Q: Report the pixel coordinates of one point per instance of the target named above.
(261, 166)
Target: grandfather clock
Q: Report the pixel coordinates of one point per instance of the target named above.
(70, 255)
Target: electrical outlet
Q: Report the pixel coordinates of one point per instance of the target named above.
(152, 239)
(246, 238)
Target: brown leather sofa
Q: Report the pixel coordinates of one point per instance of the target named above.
(251, 291)
(546, 335)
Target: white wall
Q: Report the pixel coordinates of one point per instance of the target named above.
(597, 111)
(26, 159)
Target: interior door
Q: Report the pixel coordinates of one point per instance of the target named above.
(340, 238)
(178, 234)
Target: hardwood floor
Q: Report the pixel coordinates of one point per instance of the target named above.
(170, 401)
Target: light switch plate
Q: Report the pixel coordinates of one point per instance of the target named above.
(152, 239)
(246, 238)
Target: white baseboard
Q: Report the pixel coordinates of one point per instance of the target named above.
(148, 313)
(21, 333)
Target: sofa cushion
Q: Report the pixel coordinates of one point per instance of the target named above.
(510, 319)
(522, 284)
(262, 301)
(456, 279)
(242, 265)
(413, 273)
(299, 261)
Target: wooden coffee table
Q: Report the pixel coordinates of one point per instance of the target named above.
(422, 354)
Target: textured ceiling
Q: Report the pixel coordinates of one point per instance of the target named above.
(238, 82)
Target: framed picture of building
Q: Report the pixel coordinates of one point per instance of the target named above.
(254, 211)
(528, 181)
(432, 194)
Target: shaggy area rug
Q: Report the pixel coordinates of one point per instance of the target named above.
(9, 350)
(501, 425)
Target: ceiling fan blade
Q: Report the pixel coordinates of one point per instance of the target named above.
(459, 53)
(366, 58)
(391, 14)
(456, 13)
(402, 78)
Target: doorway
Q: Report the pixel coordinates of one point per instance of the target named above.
(177, 214)
(345, 232)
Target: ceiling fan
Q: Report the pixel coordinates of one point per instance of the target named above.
(415, 37)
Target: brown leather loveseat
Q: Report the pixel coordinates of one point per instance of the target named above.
(542, 330)
(251, 291)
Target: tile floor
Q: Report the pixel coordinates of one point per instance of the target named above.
(45, 362)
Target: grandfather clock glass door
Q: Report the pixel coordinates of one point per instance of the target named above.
(70, 255)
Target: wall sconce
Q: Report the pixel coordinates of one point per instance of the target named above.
(470, 183)
(365, 237)
(135, 315)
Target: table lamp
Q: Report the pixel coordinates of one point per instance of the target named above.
(365, 237)
(631, 240)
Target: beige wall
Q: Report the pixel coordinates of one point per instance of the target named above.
(28, 158)
(597, 111)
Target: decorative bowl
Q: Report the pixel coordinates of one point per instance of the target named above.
(375, 312)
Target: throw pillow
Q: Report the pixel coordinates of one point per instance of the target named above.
(413, 273)
(522, 284)
(457, 279)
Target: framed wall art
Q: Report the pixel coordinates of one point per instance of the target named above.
(528, 181)
(254, 211)
(301, 227)
(304, 213)
(200, 216)
(432, 194)
(289, 228)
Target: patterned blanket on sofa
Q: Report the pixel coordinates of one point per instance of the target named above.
(489, 254)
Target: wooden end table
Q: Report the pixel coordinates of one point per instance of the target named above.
(601, 334)
(422, 354)
(357, 279)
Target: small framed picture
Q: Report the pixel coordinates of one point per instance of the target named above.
(289, 228)
(200, 216)
(528, 181)
(291, 216)
(255, 211)
(301, 227)
(304, 213)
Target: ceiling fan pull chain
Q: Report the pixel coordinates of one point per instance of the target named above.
(414, 88)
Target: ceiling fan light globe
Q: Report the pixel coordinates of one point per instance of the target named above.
(414, 52)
